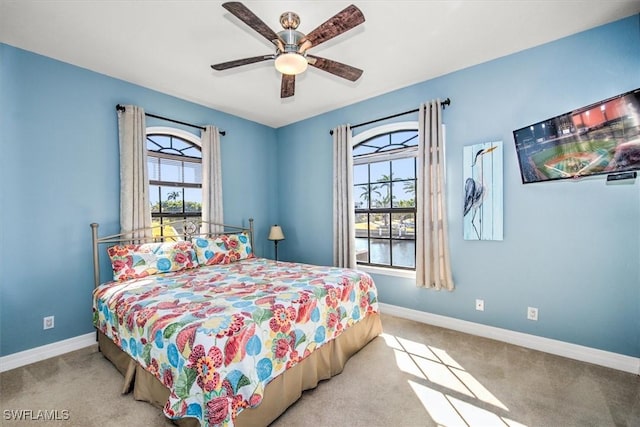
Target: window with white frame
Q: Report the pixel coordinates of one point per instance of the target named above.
(384, 193)
(174, 162)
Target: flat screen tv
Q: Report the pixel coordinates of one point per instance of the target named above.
(601, 138)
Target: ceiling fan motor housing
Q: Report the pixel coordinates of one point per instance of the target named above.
(291, 39)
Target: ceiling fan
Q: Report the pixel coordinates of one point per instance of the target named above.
(291, 57)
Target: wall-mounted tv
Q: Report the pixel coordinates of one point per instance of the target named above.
(601, 138)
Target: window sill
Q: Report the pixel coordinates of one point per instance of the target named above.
(406, 274)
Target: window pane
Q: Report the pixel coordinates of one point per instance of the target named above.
(180, 145)
(176, 224)
(381, 195)
(380, 225)
(154, 198)
(162, 227)
(170, 170)
(360, 174)
(375, 197)
(192, 172)
(171, 199)
(362, 250)
(173, 145)
(361, 149)
(362, 225)
(156, 142)
(407, 138)
(153, 168)
(380, 251)
(361, 196)
(378, 141)
(404, 194)
(403, 168)
(403, 225)
(404, 253)
(380, 171)
(192, 200)
(193, 151)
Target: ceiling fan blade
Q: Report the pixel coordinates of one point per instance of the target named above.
(343, 21)
(239, 62)
(334, 67)
(243, 13)
(288, 86)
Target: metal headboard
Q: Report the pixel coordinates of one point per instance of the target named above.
(189, 228)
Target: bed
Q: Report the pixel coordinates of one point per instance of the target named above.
(200, 326)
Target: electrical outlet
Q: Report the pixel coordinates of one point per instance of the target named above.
(480, 304)
(532, 313)
(48, 322)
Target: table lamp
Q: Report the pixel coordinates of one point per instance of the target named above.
(276, 235)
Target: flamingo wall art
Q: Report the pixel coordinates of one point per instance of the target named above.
(482, 211)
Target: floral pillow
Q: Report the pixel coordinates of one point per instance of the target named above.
(135, 261)
(223, 249)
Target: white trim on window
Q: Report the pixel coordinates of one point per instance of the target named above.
(384, 156)
(388, 271)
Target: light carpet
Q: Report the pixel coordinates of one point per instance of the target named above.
(412, 375)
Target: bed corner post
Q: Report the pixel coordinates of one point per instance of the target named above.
(96, 259)
(251, 235)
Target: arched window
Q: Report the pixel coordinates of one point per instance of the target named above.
(384, 194)
(174, 161)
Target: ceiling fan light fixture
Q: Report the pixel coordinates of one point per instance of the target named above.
(291, 63)
(291, 45)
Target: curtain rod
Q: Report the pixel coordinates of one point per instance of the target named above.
(444, 105)
(122, 108)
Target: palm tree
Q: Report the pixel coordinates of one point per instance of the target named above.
(365, 192)
(410, 188)
(174, 195)
(385, 183)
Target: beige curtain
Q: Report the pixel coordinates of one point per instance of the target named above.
(433, 264)
(344, 239)
(135, 209)
(211, 181)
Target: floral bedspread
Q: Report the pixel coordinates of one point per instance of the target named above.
(215, 336)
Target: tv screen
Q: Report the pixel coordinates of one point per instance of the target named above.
(601, 138)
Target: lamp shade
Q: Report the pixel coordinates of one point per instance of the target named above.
(276, 233)
(291, 63)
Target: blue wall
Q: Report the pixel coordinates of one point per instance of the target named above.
(59, 171)
(572, 249)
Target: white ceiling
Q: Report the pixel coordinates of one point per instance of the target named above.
(169, 45)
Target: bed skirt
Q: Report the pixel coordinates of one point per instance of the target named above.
(280, 393)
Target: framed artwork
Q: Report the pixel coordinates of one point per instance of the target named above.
(482, 180)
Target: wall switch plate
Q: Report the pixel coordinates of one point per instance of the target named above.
(532, 313)
(48, 322)
(480, 304)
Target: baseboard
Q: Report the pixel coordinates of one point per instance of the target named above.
(37, 354)
(573, 351)
(560, 348)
